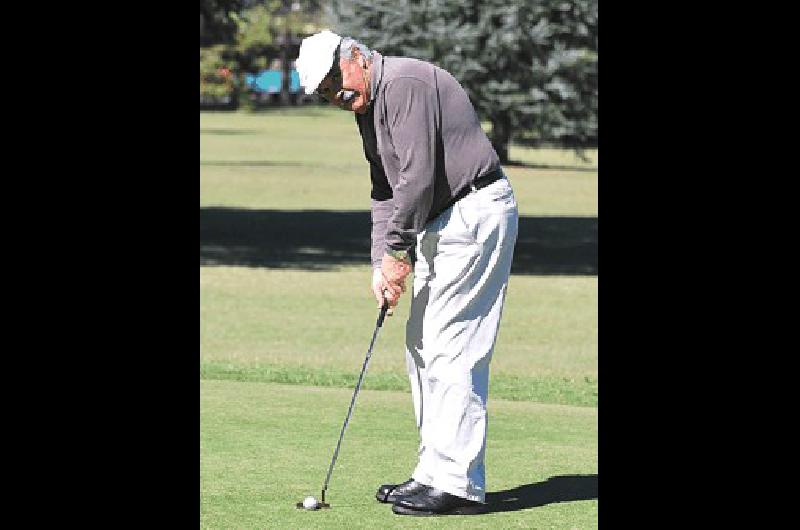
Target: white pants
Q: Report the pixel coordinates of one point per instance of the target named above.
(460, 278)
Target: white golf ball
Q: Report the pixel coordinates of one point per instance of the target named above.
(310, 503)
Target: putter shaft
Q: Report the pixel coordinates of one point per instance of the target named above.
(378, 325)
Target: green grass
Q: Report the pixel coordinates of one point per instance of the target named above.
(317, 323)
(264, 447)
(542, 389)
(280, 349)
(312, 158)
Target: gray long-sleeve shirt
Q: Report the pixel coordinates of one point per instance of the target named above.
(424, 143)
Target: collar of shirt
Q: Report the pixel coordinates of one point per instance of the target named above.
(376, 76)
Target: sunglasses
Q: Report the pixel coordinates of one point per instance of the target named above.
(330, 90)
(335, 87)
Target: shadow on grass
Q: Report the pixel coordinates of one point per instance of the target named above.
(228, 132)
(527, 165)
(564, 488)
(324, 240)
(311, 108)
(248, 163)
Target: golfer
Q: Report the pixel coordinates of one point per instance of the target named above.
(442, 207)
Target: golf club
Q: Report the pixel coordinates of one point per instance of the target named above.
(310, 502)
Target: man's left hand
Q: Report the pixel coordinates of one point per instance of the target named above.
(394, 272)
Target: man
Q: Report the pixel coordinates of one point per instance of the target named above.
(442, 206)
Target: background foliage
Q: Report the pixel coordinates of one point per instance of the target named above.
(216, 23)
(255, 35)
(218, 86)
(529, 67)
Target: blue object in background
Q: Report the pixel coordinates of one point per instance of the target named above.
(269, 81)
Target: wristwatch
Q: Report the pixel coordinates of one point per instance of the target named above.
(400, 255)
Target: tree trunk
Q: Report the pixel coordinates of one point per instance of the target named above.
(501, 135)
(286, 65)
(286, 60)
(242, 94)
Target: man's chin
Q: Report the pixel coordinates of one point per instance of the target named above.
(356, 105)
(360, 106)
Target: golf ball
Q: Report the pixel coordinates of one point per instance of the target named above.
(310, 503)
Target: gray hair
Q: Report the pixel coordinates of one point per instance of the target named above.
(346, 49)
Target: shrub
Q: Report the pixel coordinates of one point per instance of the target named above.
(218, 85)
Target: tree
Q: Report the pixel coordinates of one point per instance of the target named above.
(271, 27)
(216, 24)
(254, 36)
(530, 68)
(292, 19)
(248, 33)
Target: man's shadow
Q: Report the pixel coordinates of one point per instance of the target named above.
(563, 488)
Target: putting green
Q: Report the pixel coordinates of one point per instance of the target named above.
(265, 446)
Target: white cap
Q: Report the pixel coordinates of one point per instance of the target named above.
(316, 58)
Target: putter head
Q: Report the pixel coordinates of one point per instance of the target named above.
(320, 505)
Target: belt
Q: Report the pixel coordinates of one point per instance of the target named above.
(478, 183)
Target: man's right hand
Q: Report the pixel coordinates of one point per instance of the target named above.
(383, 289)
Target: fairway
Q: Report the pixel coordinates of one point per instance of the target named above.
(286, 314)
(313, 325)
(312, 158)
(264, 447)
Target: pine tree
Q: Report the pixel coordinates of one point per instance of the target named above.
(530, 68)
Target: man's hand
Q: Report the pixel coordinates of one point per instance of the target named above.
(378, 289)
(394, 272)
(389, 281)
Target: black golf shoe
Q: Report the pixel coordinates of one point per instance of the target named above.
(391, 493)
(434, 501)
